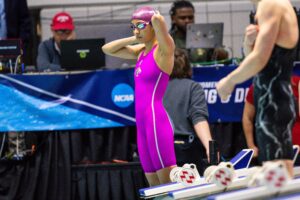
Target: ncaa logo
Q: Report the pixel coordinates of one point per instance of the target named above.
(122, 95)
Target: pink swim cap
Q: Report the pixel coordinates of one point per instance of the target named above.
(143, 13)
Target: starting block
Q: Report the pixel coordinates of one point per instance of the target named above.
(239, 162)
(187, 175)
(258, 192)
(224, 173)
(273, 175)
(210, 189)
(243, 176)
(296, 152)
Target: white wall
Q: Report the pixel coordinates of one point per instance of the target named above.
(47, 3)
(234, 15)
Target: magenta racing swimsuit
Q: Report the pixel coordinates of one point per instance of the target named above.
(155, 137)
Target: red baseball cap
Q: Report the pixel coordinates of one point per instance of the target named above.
(62, 21)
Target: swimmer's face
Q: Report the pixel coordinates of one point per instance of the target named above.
(142, 30)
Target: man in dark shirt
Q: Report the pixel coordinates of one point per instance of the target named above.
(182, 13)
(62, 28)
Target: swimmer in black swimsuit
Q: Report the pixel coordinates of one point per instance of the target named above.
(273, 98)
(270, 46)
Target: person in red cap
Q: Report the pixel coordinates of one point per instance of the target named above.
(62, 28)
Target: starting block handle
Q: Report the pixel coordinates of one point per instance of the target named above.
(213, 152)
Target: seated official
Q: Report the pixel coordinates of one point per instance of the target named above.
(49, 54)
(185, 103)
(183, 13)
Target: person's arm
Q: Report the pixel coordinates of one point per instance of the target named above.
(43, 60)
(123, 48)
(198, 114)
(248, 126)
(203, 132)
(166, 47)
(269, 21)
(249, 40)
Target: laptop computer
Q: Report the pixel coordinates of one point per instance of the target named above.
(10, 48)
(110, 31)
(204, 35)
(82, 54)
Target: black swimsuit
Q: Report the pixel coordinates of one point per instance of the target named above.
(275, 106)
